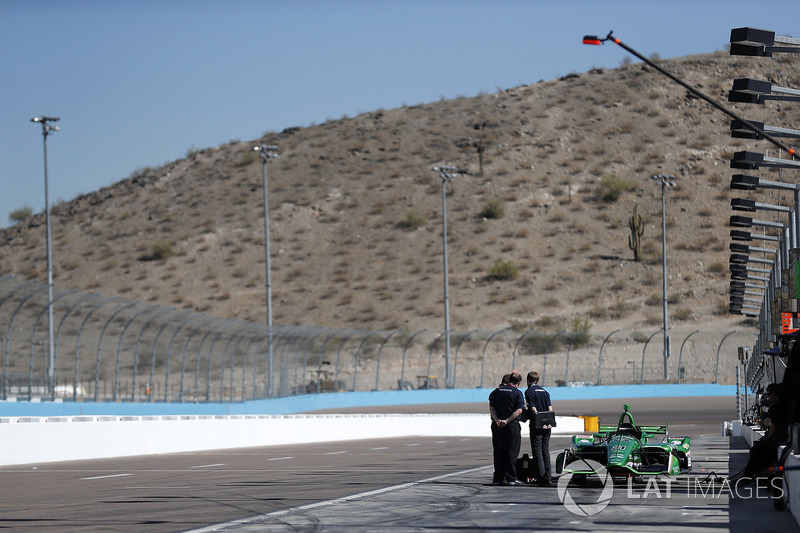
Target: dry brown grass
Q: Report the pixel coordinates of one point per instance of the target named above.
(339, 190)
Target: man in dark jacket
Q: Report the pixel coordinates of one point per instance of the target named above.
(538, 401)
(506, 404)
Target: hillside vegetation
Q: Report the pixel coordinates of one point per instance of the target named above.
(537, 223)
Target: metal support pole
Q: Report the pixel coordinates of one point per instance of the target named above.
(268, 152)
(666, 180)
(446, 173)
(47, 128)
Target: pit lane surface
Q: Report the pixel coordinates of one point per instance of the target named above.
(189, 491)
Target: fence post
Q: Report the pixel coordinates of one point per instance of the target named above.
(155, 348)
(8, 337)
(514, 353)
(78, 344)
(357, 357)
(58, 331)
(119, 348)
(716, 371)
(483, 354)
(319, 364)
(547, 351)
(644, 350)
(402, 381)
(51, 383)
(256, 339)
(600, 357)
(233, 335)
(138, 345)
(455, 357)
(211, 355)
(430, 356)
(680, 354)
(197, 354)
(100, 345)
(378, 362)
(338, 358)
(169, 353)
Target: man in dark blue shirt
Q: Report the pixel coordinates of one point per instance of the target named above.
(538, 401)
(506, 404)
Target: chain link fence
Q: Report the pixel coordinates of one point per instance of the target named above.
(108, 349)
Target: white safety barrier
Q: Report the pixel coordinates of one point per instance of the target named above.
(26, 440)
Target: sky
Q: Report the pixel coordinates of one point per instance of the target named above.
(141, 83)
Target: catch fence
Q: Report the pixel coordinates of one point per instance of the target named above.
(108, 349)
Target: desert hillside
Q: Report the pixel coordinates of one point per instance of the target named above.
(537, 222)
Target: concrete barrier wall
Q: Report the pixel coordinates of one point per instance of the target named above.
(25, 440)
(37, 431)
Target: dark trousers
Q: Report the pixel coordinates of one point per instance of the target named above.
(540, 449)
(506, 442)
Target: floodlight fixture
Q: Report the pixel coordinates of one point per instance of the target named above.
(740, 130)
(744, 204)
(743, 259)
(738, 235)
(739, 248)
(751, 91)
(753, 160)
(745, 182)
(756, 42)
(740, 221)
(735, 267)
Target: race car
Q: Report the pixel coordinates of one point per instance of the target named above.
(627, 450)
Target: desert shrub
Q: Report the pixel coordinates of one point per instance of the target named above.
(580, 329)
(503, 271)
(18, 215)
(160, 250)
(494, 209)
(612, 187)
(414, 219)
(246, 159)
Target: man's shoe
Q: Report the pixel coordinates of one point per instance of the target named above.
(514, 482)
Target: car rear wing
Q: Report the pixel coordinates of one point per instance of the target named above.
(647, 431)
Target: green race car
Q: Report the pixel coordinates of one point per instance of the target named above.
(627, 450)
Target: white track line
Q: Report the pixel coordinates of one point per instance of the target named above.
(274, 514)
(104, 477)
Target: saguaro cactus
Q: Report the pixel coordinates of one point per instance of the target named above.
(637, 229)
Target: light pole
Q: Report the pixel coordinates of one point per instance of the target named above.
(267, 152)
(48, 128)
(446, 173)
(666, 180)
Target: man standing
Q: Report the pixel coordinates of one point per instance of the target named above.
(506, 404)
(538, 401)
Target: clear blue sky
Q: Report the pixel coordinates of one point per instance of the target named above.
(138, 83)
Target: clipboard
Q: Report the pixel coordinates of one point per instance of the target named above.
(544, 418)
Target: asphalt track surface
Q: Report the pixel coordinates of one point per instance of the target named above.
(366, 485)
